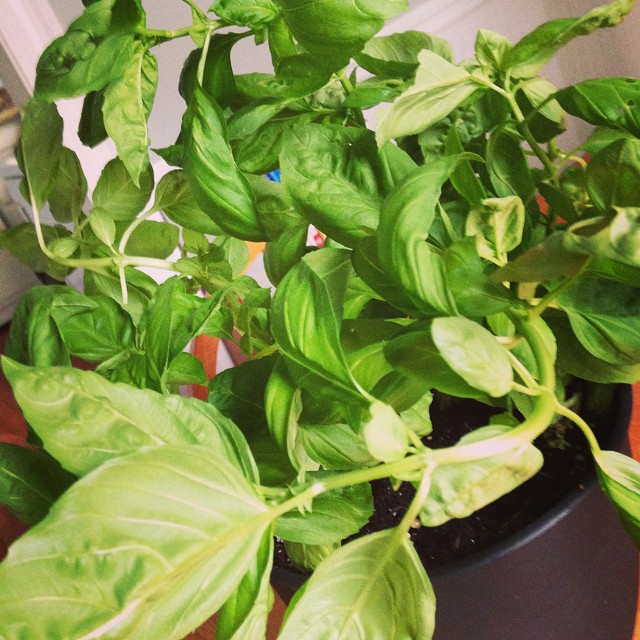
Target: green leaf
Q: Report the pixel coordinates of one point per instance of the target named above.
(40, 148)
(613, 175)
(282, 407)
(93, 328)
(255, 14)
(189, 519)
(185, 369)
(30, 482)
(116, 194)
(545, 117)
(497, 224)
(385, 434)
(404, 254)
(244, 615)
(285, 252)
(127, 105)
(106, 420)
(458, 490)
(333, 516)
(475, 293)
(69, 190)
(619, 478)
(374, 588)
(329, 174)
(439, 88)
(173, 196)
(219, 187)
(153, 239)
(334, 30)
(141, 288)
(83, 60)
(396, 55)
(508, 167)
(605, 316)
(218, 81)
(415, 354)
(533, 52)
(305, 321)
(609, 102)
(491, 49)
(308, 556)
(474, 353)
(34, 337)
(21, 242)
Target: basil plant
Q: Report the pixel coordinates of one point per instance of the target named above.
(467, 255)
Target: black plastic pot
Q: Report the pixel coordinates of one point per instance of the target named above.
(570, 575)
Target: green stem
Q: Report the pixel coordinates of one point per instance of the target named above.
(172, 34)
(584, 427)
(523, 127)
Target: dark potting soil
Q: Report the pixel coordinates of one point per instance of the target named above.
(567, 464)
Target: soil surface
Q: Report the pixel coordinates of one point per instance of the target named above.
(567, 465)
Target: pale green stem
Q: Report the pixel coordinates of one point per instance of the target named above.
(584, 427)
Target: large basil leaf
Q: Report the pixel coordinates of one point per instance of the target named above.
(609, 102)
(30, 481)
(127, 104)
(155, 562)
(107, 420)
(305, 321)
(219, 187)
(332, 517)
(605, 316)
(151, 238)
(619, 478)
(244, 615)
(334, 30)
(93, 328)
(439, 88)
(374, 588)
(533, 52)
(41, 130)
(329, 174)
(474, 353)
(458, 490)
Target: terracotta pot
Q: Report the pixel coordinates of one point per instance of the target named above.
(570, 575)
